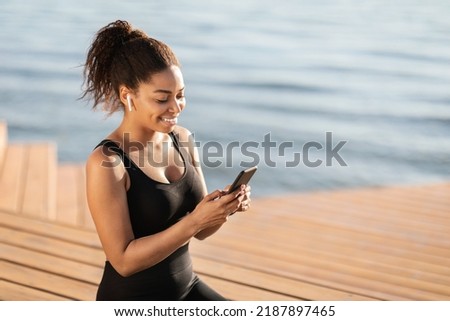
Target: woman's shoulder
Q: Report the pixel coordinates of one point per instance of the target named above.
(102, 152)
(183, 134)
(104, 158)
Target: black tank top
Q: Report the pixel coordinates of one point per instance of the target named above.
(153, 207)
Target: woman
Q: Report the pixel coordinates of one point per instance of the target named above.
(145, 189)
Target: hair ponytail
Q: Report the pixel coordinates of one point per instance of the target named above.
(121, 55)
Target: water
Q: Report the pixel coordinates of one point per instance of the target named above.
(376, 74)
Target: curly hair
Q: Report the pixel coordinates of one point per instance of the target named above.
(121, 55)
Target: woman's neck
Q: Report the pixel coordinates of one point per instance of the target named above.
(135, 137)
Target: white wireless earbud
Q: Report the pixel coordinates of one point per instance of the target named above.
(129, 102)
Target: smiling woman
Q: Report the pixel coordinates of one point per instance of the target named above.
(161, 99)
(146, 212)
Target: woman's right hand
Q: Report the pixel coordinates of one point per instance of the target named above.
(215, 208)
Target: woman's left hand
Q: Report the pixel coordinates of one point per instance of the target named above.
(245, 199)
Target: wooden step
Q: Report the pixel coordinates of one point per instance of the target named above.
(41, 280)
(39, 197)
(32, 183)
(397, 224)
(345, 240)
(59, 248)
(366, 244)
(240, 292)
(17, 292)
(45, 260)
(327, 274)
(52, 263)
(3, 142)
(72, 208)
(49, 229)
(62, 252)
(28, 180)
(12, 178)
(271, 283)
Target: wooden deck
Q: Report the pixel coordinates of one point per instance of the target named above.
(367, 244)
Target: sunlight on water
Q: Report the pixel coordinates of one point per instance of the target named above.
(375, 73)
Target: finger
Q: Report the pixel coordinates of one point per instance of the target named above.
(236, 205)
(231, 206)
(212, 196)
(241, 198)
(244, 205)
(237, 190)
(232, 196)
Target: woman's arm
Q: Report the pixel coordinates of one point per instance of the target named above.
(186, 136)
(107, 182)
(106, 192)
(188, 141)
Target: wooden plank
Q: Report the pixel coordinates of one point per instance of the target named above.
(17, 292)
(49, 229)
(86, 220)
(404, 207)
(272, 283)
(53, 247)
(236, 291)
(72, 207)
(363, 266)
(55, 284)
(325, 212)
(3, 142)
(40, 190)
(325, 273)
(354, 248)
(409, 199)
(280, 232)
(68, 204)
(387, 244)
(64, 267)
(406, 200)
(52, 264)
(306, 230)
(359, 248)
(12, 179)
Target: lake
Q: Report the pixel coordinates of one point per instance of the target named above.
(320, 94)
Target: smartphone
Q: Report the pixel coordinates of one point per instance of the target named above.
(242, 178)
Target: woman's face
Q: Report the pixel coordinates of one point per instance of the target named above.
(158, 103)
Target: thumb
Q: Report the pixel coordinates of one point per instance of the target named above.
(212, 196)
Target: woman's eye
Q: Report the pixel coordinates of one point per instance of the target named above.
(161, 101)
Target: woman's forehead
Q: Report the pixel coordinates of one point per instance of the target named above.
(170, 79)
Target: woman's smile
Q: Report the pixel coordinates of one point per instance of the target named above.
(170, 121)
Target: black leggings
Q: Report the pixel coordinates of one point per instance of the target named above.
(202, 292)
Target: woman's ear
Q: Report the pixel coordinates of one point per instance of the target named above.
(126, 97)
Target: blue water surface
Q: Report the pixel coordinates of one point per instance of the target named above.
(374, 74)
